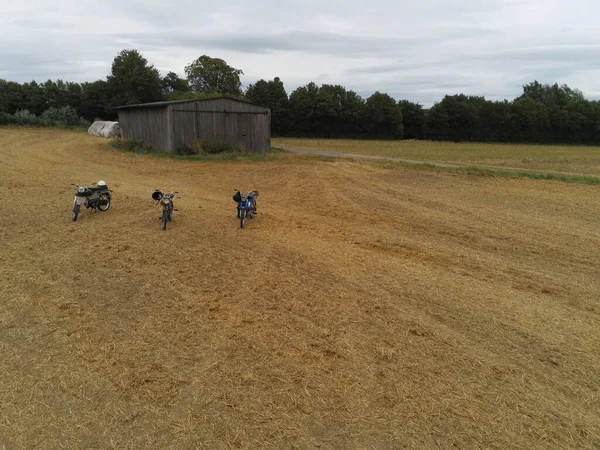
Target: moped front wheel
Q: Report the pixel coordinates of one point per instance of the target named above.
(242, 217)
(76, 208)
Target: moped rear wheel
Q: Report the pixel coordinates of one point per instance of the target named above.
(165, 219)
(104, 204)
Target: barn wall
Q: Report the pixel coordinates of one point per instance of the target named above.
(222, 119)
(150, 125)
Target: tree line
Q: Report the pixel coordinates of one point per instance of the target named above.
(543, 113)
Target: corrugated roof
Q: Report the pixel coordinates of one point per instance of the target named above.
(174, 102)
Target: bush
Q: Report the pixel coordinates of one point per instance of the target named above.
(184, 150)
(6, 119)
(194, 148)
(131, 145)
(83, 123)
(65, 117)
(214, 147)
(61, 116)
(209, 147)
(24, 117)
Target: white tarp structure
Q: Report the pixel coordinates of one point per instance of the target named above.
(105, 129)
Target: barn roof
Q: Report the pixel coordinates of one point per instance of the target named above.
(175, 102)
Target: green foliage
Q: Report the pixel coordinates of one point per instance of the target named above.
(173, 83)
(131, 145)
(383, 117)
(209, 147)
(133, 80)
(413, 119)
(213, 75)
(543, 113)
(191, 95)
(193, 148)
(24, 117)
(95, 101)
(65, 117)
(198, 150)
(64, 114)
(11, 96)
(213, 147)
(273, 95)
(33, 98)
(303, 107)
(326, 111)
(333, 111)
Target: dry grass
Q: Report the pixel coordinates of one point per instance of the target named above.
(557, 158)
(367, 307)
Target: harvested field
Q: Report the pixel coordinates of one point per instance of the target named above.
(573, 159)
(366, 308)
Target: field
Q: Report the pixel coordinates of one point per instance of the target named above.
(555, 158)
(366, 308)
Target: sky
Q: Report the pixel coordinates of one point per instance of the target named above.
(419, 51)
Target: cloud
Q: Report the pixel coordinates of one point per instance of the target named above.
(418, 51)
(298, 41)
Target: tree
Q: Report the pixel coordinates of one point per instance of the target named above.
(333, 111)
(303, 110)
(133, 80)
(495, 121)
(413, 119)
(173, 83)
(456, 118)
(326, 111)
(273, 95)
(11, 96)
(55, 94)
(213, 75)
(339, 112)
(353, 107)
(73, 96)
(551, 94)
(561, 104)
(383, 117)
(33, 98)
(95, 101)
(437, 122)
(530, 120)
(329, 110)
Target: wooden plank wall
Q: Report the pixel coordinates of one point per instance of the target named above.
(221, 119)
(173, 125)
(150, 125)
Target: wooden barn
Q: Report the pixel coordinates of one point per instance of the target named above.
(170, 125)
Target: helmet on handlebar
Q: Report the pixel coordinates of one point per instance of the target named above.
(102, 183)
(157, 195)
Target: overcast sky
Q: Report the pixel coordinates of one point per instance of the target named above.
(415, 50)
